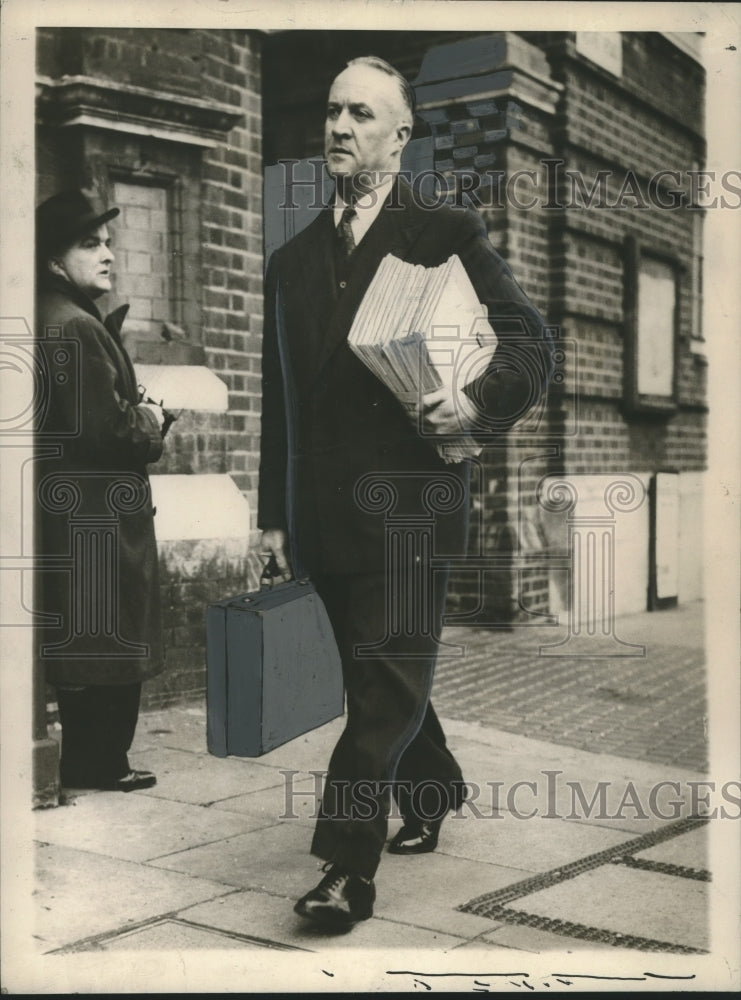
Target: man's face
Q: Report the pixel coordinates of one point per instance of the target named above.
(87, 263)
(367, 124)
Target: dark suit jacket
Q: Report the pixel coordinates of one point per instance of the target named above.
(103, 441)
(340, 423)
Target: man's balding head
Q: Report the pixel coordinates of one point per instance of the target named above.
(369, 121)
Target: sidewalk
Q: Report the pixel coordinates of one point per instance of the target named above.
(214, 856)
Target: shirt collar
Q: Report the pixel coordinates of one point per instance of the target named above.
(367, 208)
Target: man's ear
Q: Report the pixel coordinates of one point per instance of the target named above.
(55, 266)
(403, 134)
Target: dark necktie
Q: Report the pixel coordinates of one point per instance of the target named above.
(344, 232)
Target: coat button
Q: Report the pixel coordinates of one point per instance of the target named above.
(343, 284)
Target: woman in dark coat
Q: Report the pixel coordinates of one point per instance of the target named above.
(97, 581)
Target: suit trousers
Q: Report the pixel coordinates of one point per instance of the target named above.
(393, 740)
(98, 725)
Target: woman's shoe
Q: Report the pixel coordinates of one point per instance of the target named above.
(128, 783)
(133, 781)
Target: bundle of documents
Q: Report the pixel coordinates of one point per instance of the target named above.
(420, 328)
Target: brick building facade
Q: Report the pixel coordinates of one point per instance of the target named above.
(177, 127)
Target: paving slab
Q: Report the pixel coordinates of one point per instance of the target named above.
(309, 752)
(182, 727)
(690, 850)
(634, 798)
(135, 827)
(79, 895)
(534, 845)
(295, 802)
(174, 935)
(273, 860)
(273, 918)
(628, 901)
(424, 890)
(199, 778)
(481, 944)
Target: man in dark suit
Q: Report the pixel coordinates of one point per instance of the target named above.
(339, 452)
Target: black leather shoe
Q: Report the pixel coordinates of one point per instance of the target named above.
(418, 838)
(421, 836)
(340, 899)
(132, 781)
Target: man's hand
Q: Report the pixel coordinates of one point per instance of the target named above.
(275, 543)
(447, 412)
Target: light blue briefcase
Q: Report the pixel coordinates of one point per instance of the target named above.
(273, 669)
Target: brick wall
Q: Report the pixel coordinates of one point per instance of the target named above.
(232, 309)
(232, 248)
(628, 128)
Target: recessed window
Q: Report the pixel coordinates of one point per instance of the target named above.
(144, 256)
(651, 315)
(656, 308)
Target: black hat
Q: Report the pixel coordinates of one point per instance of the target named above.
(63, 218)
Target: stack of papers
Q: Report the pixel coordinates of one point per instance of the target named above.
(421, 328)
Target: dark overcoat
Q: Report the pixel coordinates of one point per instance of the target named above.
(96, 554)
(342, 424)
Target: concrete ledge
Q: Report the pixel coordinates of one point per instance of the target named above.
(184, 387)
(196, 507)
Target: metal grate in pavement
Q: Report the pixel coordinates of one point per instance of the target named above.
(494, 904)
(482, 905)
(664, 868)
(585, 933)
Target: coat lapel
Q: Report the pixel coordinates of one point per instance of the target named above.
(113, 323)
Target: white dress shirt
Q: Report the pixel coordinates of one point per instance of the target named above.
(366, 208)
